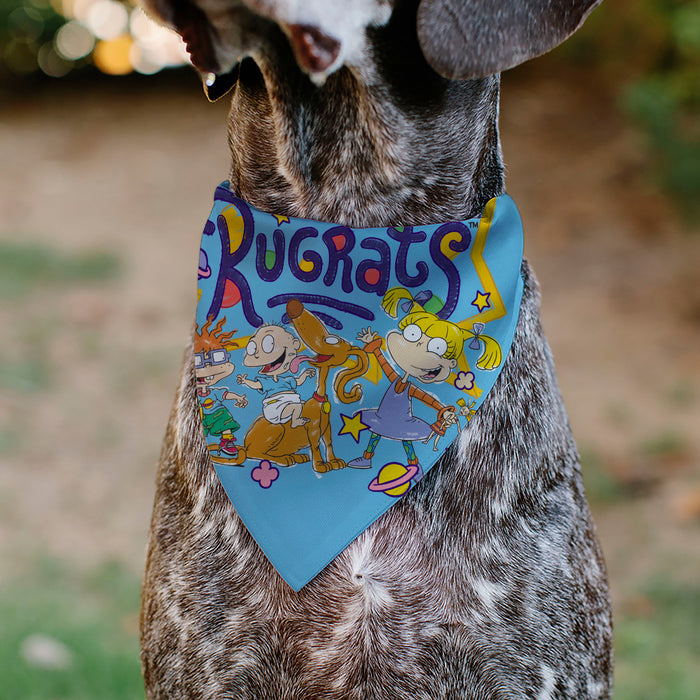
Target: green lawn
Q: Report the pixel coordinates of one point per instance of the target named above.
(658, 648)
(94, 618)
(25, 267)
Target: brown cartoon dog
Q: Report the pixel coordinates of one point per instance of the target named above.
(281, 442)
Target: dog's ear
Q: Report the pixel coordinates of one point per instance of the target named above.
(473, 38)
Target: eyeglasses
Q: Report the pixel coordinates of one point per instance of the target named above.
(212, 357)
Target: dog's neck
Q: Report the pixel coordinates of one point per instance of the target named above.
(374, 145)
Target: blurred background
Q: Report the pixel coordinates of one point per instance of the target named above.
(109, 155)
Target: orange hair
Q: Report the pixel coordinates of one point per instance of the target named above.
(208, 338)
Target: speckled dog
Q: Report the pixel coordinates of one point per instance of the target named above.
(486, 580)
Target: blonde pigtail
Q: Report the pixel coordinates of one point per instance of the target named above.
(492, 355)
(393, 298)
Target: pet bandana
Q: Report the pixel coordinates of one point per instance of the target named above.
(334, 365)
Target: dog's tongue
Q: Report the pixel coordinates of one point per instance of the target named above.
(314, 50)
(294, 365)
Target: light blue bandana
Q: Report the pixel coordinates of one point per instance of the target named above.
(335, 365)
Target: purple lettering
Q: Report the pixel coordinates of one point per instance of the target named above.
(269, 274)
(372, 276)
(339, 240)
(406, 238)
(446, 264)
(309, 256)
(229, 260)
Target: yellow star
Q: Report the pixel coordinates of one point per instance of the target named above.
(353, 426)
(481, 301)
(281, 219)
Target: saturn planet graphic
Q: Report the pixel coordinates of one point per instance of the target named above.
(394, 479)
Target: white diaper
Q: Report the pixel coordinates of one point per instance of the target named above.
(274, 405)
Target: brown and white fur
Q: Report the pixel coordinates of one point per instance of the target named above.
(486, 580)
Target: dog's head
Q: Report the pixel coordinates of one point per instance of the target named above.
(460, 39)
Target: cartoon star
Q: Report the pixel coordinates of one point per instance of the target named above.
(352, 426)
(481, 300)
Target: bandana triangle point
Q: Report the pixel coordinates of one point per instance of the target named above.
(335, 365)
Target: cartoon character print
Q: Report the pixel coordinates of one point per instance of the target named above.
(466, 410)
(291, 431)
(275, 351)
(426, 349)
(212, 365)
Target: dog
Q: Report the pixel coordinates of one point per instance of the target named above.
(486, 579)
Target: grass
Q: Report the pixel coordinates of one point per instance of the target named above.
(28, 375)
(682, 394)
(602, 487)
(658, 649)
(667, 443)
(657, 645)
(26, 267)
(645, 468)
(93, 617)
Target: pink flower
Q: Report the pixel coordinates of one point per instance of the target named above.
(265, 474)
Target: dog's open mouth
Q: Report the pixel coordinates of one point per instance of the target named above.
(274, 365)
(320, 358)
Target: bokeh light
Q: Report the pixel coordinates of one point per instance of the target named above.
(74, 40)
(107, 19)
(155, 47)
(20, 55)
(112, 55)
(58, 36)
(52, 63)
